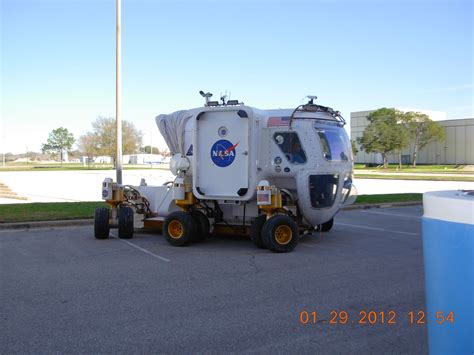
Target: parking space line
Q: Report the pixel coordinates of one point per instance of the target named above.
(375, 229)
(391, 214)
(141, 249)
(321, 246)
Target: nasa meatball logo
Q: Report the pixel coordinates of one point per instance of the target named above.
(223, 153)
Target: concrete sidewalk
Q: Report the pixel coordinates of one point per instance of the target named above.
(85, 185)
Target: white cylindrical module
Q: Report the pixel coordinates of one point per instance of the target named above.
(107, 189)
(178, 164)
(448, 247)
(264, 193)
(178, 189)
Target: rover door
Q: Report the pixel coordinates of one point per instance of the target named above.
(222, 156)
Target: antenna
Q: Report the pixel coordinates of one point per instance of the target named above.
(311, 99)
(207, 96)
(223, 97)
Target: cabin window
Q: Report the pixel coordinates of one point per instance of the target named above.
(333, 144)
(291, 147)
(323, 190)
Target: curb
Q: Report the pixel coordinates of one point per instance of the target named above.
(46, 224)
(382, 205)
(85, 222)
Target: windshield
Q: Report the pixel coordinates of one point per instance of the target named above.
(334, 143)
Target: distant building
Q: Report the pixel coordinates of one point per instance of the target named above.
(126, 159)
(65, 156)
(458, 148)
(86, 160)
(140, 159)
(104, 159)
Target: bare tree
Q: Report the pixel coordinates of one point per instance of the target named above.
(102, 139)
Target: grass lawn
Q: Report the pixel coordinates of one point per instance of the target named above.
(437, 169)
(387, 198)
(73, 167)
(50, 211)
(360, 174)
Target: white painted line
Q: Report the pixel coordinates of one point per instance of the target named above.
(375, 229)
(320, 246)
(391, 214)
(141, 249)
(306, 245)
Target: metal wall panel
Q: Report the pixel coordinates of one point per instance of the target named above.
(460, 145)
(470, 144)
(450, 145)
(458, 148)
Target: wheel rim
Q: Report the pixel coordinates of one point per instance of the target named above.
(283, 234)
(175, 229)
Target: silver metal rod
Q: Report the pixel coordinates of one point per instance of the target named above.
(118, 93)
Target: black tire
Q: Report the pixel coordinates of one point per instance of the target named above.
(280, 234)
(125, 225)
(256, 230)
(102, 223)
(203, 226)
(326, 226)
(179, 228)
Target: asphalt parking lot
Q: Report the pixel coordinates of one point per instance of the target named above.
(64, 291)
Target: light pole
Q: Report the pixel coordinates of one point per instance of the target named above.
(3, 147)
(118, 93)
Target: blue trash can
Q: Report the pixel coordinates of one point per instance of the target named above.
(448, 247)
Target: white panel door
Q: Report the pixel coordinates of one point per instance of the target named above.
(222, 154)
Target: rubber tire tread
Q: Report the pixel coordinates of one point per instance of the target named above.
(102, 223)
(326, 226)
(256, 231)
(125, 225)
(203, 226)
(189, 225)
(268, 232)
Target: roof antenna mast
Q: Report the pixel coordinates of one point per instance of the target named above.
(223, 97)
(207, 96)
(311, 99)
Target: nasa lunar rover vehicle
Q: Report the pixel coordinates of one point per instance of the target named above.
(270, 174)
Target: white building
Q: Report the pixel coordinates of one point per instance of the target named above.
(104, 159)
(458, 148)
(139, 159)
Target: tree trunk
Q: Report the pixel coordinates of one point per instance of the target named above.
(400, 159)
(415, 148)
(385, 160)
(61, 157)
(415, 151)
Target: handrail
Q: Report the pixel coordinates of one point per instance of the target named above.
(318, 108)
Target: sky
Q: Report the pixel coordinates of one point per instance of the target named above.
(58, 59)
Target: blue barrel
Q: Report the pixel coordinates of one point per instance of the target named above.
(448, 246)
